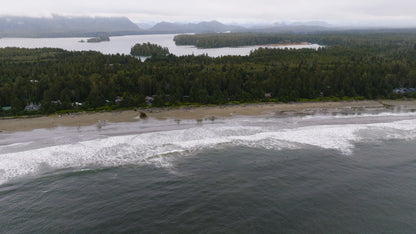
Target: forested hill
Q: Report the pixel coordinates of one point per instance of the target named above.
(59, 26)
(360, 67)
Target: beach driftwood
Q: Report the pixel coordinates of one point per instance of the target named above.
(143, 115)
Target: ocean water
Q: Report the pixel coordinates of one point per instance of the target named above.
(123, 44)
(351, 173)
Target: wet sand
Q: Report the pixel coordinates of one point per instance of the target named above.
(223, 111)
(77, 119)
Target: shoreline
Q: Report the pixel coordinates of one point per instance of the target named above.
(201, 112)
(290, 44)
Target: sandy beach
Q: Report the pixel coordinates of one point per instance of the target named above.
(223, 111)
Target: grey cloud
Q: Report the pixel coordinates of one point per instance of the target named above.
(226, 10)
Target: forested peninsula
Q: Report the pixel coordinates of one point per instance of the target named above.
(343, 38)
(359, 66)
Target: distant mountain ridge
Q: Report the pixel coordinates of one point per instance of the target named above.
(217, 27)
(298, 28)
(59, 26)
(202, 27)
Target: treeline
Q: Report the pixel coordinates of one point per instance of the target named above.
(216, 40)
(345, 38)
(61, 80)
(148, 49)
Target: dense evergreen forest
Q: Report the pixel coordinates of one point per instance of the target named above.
(358, 66)
(148, 49)
(344, 38)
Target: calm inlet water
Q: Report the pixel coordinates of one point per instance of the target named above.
(322, 173)
(123, 44)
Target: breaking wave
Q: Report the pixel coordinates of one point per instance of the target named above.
(162, 147)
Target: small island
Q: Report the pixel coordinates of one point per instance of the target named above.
(148, 49)
(98, 39)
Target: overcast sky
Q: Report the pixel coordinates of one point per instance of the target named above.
(387, 12)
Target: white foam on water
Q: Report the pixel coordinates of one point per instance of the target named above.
(361, 115)
(162, 148)
(15, 145)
